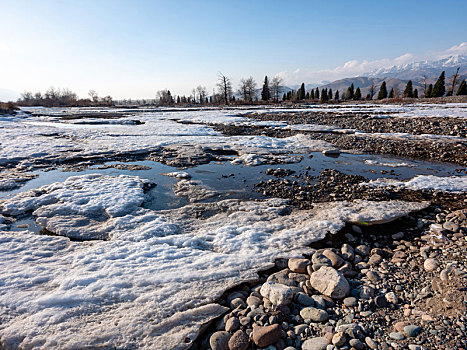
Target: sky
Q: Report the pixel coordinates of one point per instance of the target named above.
(131, 49)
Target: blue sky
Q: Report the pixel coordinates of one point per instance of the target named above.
(134, 48)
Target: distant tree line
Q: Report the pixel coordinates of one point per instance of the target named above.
(62, 97)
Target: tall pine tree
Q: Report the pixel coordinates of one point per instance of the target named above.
(383, 91)
(336, 97)
(358, 95)
(350, 92)
(438, 88)
(312, 94)
(415, 93)
(265, 93)
(317, 93)
(324, 96)
(462, 89)
(391, 93)
(330, 94)
(429, 91)
(408, 92)
(301, 95)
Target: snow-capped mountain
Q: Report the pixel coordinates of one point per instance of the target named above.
(417, 70)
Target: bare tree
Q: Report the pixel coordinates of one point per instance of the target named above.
(247, 89)
(454, 82)
(164, 97)
(224, 86)
(93, 95)
(276, 88)
(202, 93)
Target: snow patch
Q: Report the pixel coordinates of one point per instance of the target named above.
(425, 182)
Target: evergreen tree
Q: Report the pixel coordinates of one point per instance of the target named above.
(312, 94)
(429, 91)
(408, 92)
(324, 96)
(439, 89)
(350, 92)
(317, 93)
(462, 89)
(302, 92)
(415, 93)
(233, 99)
(383, 91)
(330, 94)
(368, 96)
(307, 96)
(358, 95)
(336, 97)
(391, 93)
(284, 97)
(265, 93)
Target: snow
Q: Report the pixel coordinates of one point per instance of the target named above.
(425, 182)
(179, 174)
(251, 159)
(151, 284)
(389, 163)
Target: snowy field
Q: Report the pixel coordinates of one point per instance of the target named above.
(116, 274)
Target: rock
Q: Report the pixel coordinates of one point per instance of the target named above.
(356, 229)
(319, 301)
(282, 277)
(381, 301)
(278, 294)
(331, 152)
(375, 260)
(336, 260)
(318, 343)
(350, 301)
(220, 340)
(300, 328)
(399, 326)
(430, 265)
(397, 236)
(362, 250)
(304, 299)
(373, 276)
(412, 330)
(314, 314)
(366, 292)
(253, 301)
(396, 336)
(232, 324)
(371, 343)
(330, 282)
(290, 348)
(264, 336)
(339, 339)
(319, 260)
(451, 226)
(391, 297)
(298, 265)
(357, 344)
(238, 341)
(237, 302)
(347, 252)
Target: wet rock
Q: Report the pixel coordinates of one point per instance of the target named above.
(238, 341)
(278, 294)
(330, 282)
(220, 340)
(298, 265)
(314, 314)
(264, 336)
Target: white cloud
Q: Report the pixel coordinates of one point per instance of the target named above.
(355, 67)
(4, 48)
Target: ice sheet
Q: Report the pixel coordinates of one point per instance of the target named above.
(425, 182)
(151, 284)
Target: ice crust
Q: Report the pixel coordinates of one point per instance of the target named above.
(26, 138)
(151, 284)
(425, 182)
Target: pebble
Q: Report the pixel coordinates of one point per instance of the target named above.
(318, 343)
(314, 314)
(371, 343)
(350, 301)
(264, 336)
(430, 265)
(239, 341)
(397, 336)
(278, 294)
(298, 265)
(412, 330)
(220, 340)
(391, 297)
(339, 339)
(232, 324)
(330, 282)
